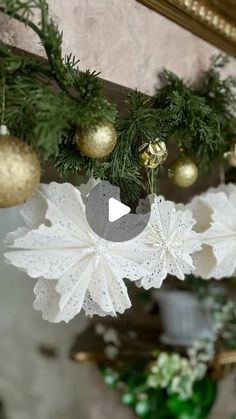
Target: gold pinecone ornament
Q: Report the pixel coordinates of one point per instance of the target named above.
(96, 143)
(230, 156)
(183, 172)
(152, 155)
(19, 170)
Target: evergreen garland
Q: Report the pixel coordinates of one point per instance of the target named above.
(199, 116)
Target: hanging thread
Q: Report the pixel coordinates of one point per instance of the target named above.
(3, 110)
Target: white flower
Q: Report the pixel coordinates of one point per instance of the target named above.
(170, 235)
(76, 268)
(100, 329)
(111, 336)
(111, 352)
(216, 214)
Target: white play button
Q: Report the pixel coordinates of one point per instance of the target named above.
(117, 209)
(109, 218)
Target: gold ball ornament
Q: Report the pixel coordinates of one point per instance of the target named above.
(230, 156)
(19, 170)
(96, 143)
(183, 172)
(152, 155)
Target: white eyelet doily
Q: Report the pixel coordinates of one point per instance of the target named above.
(170, 235)
(76, 268)
(215, 211)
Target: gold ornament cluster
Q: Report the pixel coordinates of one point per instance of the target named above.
(19, 170)
(99, 142)
(182, 173)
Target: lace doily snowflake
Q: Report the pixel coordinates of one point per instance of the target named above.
(76, 268)
(215, 211)
(170, 235)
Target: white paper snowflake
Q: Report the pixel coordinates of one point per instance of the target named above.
(171, 237)
(76, 268)
(215, 211)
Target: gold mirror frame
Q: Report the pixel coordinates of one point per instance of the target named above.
(212, 20)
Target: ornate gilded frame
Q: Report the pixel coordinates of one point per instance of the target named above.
(212, 20)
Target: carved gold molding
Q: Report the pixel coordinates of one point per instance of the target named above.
(213, 20)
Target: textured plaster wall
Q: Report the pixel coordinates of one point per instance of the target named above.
(124, 40)
(129, 44)
(33, 386)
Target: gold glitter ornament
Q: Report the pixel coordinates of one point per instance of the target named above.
(19, 170)
(183, 172)
(230, 156)
(96, 143)
(152, 155)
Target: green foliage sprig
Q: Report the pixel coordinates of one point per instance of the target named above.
(149, 402)
(47, 100)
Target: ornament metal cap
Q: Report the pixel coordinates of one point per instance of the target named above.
(4, 130)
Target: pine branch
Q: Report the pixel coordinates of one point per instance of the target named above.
(47, 31)
(192, 119)
(121, 168)
(69, 161)
(51, 40)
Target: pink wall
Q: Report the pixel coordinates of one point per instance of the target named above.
(126, 41)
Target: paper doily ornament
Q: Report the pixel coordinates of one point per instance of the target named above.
(171, 238)
(215, 211)
(77, 269)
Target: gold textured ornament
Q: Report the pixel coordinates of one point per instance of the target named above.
(96, 143)
(230, 156)
(183, 172)
(152, 155)
(19, 170)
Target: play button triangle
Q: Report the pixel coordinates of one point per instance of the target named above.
(117, 210)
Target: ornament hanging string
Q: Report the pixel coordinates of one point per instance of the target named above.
(3, 110)
(222, 173)
(152, 181)
(3, 127)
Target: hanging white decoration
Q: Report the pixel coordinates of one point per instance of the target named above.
(215, 211)
(170, 237)
(76, 268)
